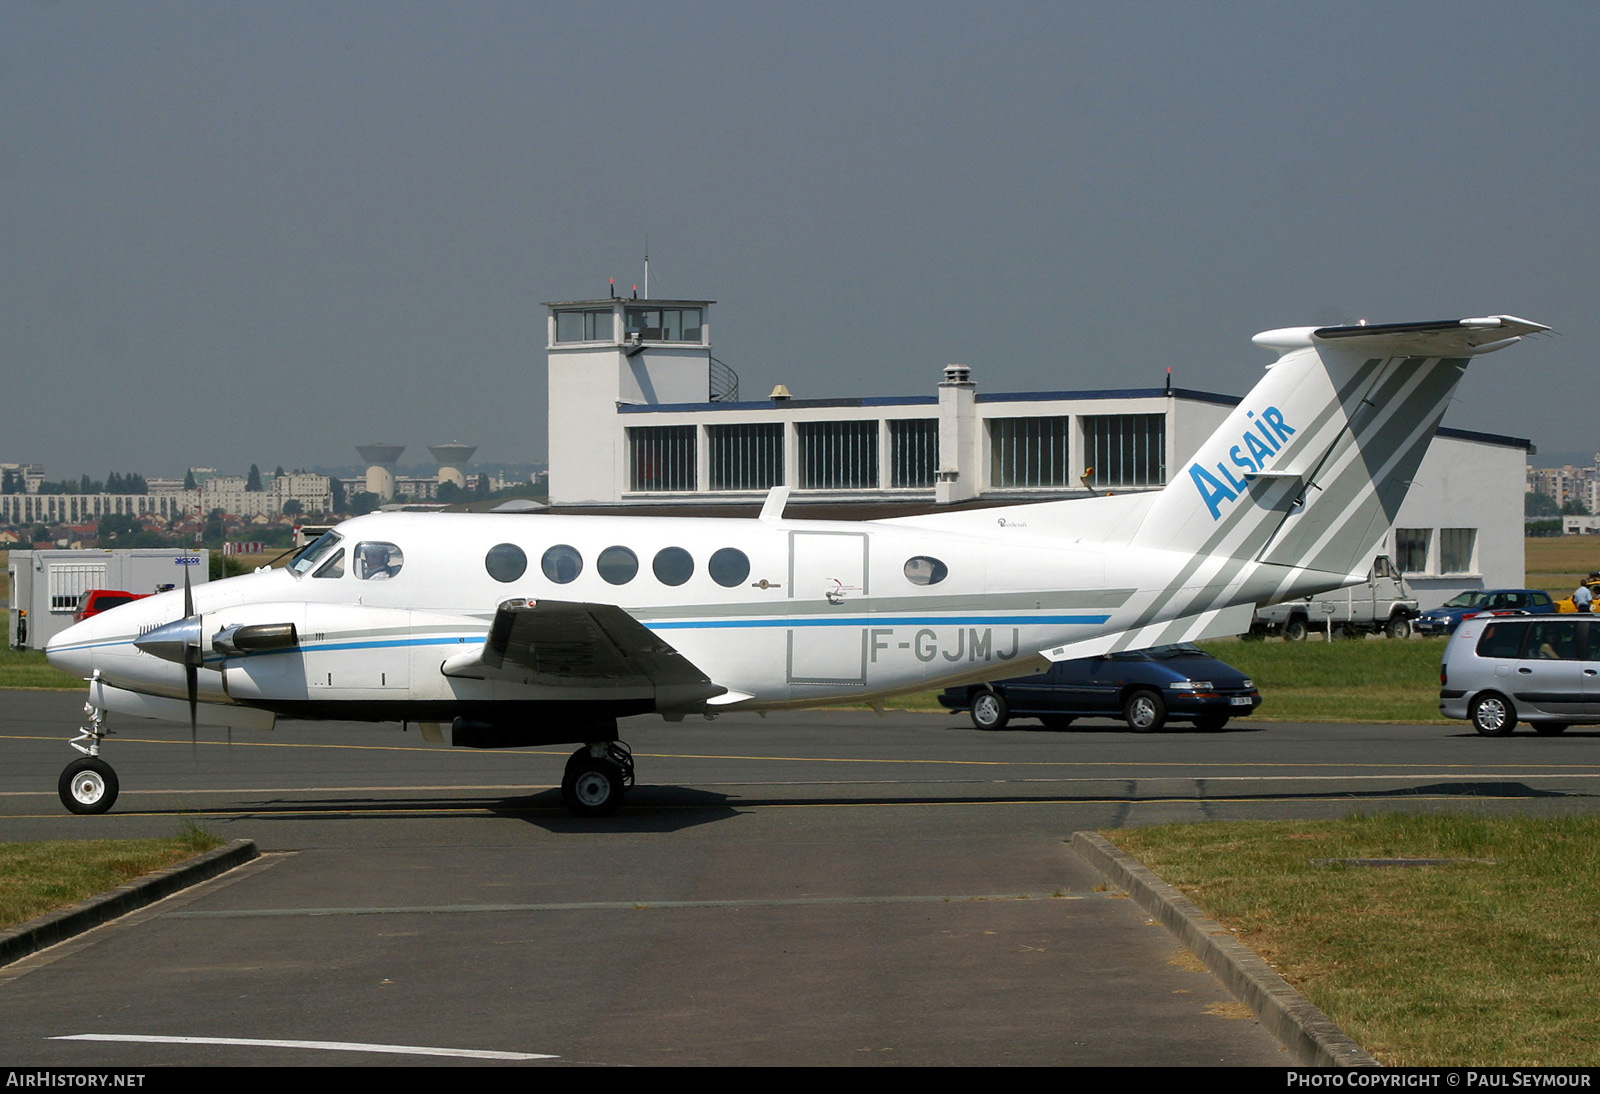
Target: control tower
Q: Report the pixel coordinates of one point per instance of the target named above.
(612, 353)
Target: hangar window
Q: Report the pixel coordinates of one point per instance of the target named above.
(673, 566)
(746, 457)
(1126, 449)
(1456, 550)
(729, 567)
(1411, 549)
(1029, 452)
(661, 457)
(925, 570)
(505, 562)
(562, 564)
(838, 455)
(378, 561)
(617, 565)
(913, 451)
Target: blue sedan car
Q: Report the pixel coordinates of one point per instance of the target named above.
(1145, 688)
(1445, 618)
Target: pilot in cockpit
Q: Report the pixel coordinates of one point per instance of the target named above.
(378, 561)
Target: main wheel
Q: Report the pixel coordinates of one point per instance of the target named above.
(1056, 721)
(1295, 630)
(989, 710)
(1144, 711)
(1493, 715)
(88, 786)
(591, 787)
(1399, 627)
(1549, 729)
(1211, 723)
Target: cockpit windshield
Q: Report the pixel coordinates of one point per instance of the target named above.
(313, 552)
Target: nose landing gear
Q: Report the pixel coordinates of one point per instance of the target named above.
(89, 785)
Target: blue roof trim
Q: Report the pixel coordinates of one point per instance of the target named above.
(1190, 394)
(1486, 438)
(787, 404)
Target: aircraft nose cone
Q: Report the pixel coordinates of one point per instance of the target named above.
(178, 642)
(71, 652)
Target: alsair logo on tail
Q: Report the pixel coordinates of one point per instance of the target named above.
(1262, 440)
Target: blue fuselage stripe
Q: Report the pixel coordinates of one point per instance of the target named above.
(883, 621)
(701, 624)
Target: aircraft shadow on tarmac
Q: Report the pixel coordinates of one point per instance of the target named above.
(663, 808)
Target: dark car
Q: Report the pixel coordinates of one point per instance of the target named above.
(1145, 688)
(1445, 618)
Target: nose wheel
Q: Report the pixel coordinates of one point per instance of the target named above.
(596, 778)
(88, 786)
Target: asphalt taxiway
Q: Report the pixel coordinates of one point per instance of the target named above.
(822, 888)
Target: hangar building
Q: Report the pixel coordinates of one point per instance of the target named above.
(643, 414)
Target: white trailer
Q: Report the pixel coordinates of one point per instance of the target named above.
(46, 585)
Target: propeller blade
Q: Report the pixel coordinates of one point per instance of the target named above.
(191, 677)
(191, 671)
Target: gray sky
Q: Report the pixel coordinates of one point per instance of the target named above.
(267, 232)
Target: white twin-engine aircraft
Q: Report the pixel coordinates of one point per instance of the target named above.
(519, 630)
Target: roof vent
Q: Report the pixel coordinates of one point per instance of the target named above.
(780, 394)
(957, 374)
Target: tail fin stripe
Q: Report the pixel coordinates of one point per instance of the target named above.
(1397, 393)
(1400, 437)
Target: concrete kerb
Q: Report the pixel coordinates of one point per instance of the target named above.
(37, 934)
(1311, 1036)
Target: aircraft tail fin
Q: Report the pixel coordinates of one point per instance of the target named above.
(1312, 465)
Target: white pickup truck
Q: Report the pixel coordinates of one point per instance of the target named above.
(1382, 603)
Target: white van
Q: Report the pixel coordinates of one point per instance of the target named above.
(1541, 669)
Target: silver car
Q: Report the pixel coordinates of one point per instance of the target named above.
(1544, 670)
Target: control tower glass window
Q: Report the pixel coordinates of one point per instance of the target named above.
(590, 325)
(663, 324)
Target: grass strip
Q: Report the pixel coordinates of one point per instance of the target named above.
(1487, 960)
(29, 669)
(36, 878)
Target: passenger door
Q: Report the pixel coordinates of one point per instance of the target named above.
(1550, 676)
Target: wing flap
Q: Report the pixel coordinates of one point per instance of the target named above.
(581, 649)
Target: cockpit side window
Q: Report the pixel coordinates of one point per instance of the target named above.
(334, 567)
(313, 553)
(378, 561)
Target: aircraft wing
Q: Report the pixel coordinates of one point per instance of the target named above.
(570, 647)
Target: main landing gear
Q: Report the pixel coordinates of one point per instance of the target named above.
(597, 776)
(89, 785)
